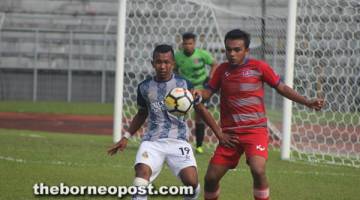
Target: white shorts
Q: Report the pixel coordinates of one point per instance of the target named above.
(178, 155)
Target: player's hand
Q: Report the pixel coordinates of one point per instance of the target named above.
(204, 93)
(120, 146)
(196, 93)
(316, 104)
(228, 140)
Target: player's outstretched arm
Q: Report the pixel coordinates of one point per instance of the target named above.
(119, 146)
(224, 139)
(291, 94)
(135, 124)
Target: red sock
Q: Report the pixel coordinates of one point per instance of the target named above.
(261, 194)
(212, 195)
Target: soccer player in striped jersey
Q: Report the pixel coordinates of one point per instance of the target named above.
(167, 135)
(241, 84)
(191, 64)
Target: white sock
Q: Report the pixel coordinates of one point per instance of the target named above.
(140, 182)
(195, 195)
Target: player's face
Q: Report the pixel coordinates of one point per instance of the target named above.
(236, 51)
(189, 46)
(163, 64)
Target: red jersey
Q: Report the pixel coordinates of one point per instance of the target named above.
(242, 94)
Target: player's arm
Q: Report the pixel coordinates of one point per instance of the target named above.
(270, 77)
(291, 94)
(135, 125)
(138, 121)
(204, 93)
(224, 139)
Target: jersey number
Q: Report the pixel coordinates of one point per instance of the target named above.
(184, 150)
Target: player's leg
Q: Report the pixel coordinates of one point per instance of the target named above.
(148, 164)
(189, 177)
(257, 154)
(142, 179)
(213, 176)
(181, 161)
(257, 166)
(224, 158)
(143, 171)
(199, 133)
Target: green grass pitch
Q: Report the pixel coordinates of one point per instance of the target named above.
(29, 157)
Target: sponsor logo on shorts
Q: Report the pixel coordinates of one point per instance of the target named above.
(260, 147)
(145, 154)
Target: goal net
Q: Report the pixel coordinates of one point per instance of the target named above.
(326, 65)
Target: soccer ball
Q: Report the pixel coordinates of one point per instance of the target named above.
(179, 101)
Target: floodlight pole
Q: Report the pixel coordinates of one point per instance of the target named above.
(289, 76)
(119, 75)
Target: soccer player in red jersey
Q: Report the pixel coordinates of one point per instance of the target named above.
(241, 84)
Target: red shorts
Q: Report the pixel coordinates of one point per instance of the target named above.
(254, 143)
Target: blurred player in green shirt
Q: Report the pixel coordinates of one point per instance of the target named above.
(191, 64)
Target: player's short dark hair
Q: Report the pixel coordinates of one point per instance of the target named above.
(188, 35)
(163, 48)
(238, 34)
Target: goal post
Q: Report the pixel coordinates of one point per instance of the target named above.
(119, 71)
(289, 77)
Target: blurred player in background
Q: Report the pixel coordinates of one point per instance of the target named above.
(241, 84)
(191, 64)
(167, 135)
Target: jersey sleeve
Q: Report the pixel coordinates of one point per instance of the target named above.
(141, 102)
(269, 75)
(208, 59)
(214, 83)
